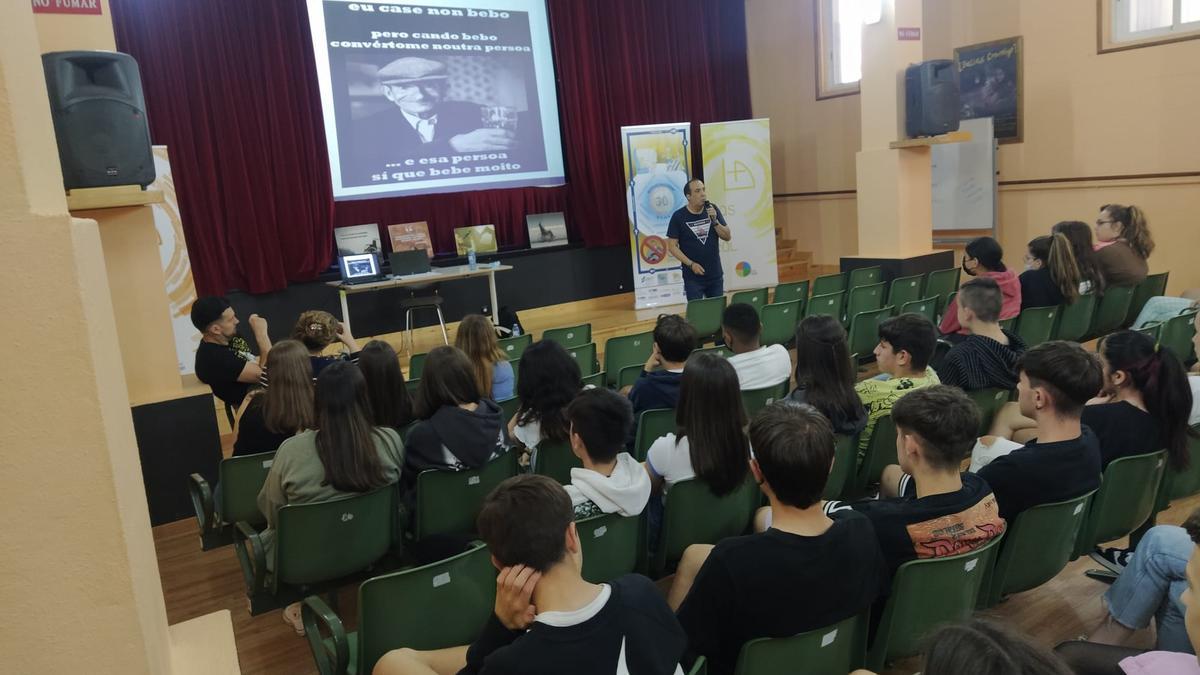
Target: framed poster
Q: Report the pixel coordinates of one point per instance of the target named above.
(989, 85)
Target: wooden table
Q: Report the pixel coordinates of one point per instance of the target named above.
(435, 276)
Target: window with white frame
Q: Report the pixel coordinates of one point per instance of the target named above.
(1142, 22)
(839, 47)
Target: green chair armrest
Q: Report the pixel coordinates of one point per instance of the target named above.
(202, 503)
(251, 555)
(316, 614)
(700, 667)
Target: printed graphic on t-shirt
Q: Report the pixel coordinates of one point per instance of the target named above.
(700, 228)
(239, 346)
(958, 532)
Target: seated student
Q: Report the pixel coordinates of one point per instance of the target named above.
(458, 427)
(1123, 244)
(1080, 236)
(317, 330)
(710, 442)
(1166, 586)
(1194, 377)
(941, 511)
(1056, 379)
(985, 357)
(658, 385)
(223, 359)
(611, 480)
(548, 620)
(825, 376)
(1162, 308)
(344, 455)
(274, 414)
(476, 337)
(808, 571)
(549, 382)
(984, 647)
(906, 344)
(391, 406)
(985, 258)
(1051, 276)
(757, 366)
(1143, 407)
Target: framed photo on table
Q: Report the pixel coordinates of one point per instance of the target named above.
(990, 83)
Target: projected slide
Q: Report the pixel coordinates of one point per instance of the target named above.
(436, 96)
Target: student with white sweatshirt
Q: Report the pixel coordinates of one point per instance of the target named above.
(611, 480)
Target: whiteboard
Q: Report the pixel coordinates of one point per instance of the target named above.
(964, 180)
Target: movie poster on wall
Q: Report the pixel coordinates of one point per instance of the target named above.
(737, 177)
(658, 164)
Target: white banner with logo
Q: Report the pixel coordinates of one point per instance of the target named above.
(177, 268)
(657, 166)
(737, 176)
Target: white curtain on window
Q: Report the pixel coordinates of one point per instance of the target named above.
(1150, 14)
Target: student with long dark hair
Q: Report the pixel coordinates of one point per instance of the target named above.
(1123, 244)
(1080, 236)
(549, 380)
(274, 414)
(985, 257)
(824, 375)
(1145, 402)
(476, 337)
(391, 406)
(459, 427)
(709, 442)
(1051, 276)
(344, 455)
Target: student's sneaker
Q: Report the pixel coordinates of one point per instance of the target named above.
(1113, 559)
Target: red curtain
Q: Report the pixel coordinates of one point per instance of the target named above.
(231, 89)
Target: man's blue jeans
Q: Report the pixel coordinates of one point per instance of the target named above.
(706, 286)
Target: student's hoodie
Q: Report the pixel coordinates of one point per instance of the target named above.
(455, 438)
(1010, 291)
(626, 491)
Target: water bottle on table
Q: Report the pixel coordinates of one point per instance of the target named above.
(471, 264)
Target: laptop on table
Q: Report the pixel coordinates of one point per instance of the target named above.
(362, 268)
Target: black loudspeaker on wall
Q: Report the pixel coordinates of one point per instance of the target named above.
(99, 119)
(931, 96)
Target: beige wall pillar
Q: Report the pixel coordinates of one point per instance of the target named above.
(894, 206)
(80, 585)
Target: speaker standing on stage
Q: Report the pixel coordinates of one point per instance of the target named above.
(690, 240)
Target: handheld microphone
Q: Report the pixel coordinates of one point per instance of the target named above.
(707, 206)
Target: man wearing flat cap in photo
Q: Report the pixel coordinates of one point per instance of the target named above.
(422, 122)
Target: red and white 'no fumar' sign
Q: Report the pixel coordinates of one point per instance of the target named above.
(66, 6)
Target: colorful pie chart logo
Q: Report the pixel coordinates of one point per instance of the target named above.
(743, 269)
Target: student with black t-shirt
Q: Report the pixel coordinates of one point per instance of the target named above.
(548, 620)
(808, 571)
(223, 359)
(940, 511)
(1144, 407)
(1056, 379)
(270, 416)
(690, 240)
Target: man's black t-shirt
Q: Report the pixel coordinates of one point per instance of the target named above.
(1123, 430)
(777, 584)
(634, 632)
(697, 239)
(1042, 473)
(929, 527)
(219, 366)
